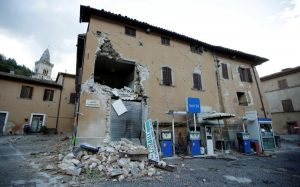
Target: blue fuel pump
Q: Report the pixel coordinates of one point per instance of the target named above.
(166, 143)
(194, 143)
(244, 142)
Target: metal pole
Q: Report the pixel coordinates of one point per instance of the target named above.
(173, 132)
(194, 121)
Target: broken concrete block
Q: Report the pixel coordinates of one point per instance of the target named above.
(60, 157)
(69, 169)
(49, 167)
(101, 168)
(93, 165)
(134, 169)
(151, 171)
(142, 165)
(69, 156)
(115, 172)
(121, 177)
(123, 162)
(86, 157)
(110, 149)
(75, 161)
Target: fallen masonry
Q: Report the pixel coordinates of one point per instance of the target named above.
(115, 160)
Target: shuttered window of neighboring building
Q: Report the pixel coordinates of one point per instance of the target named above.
(166, 76)
(245, 74)
(287, 105)
(224, 71)
(26, 92)
(197, 81)
(282, 84)
(165, 40)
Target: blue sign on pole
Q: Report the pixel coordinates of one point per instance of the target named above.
(193, 105)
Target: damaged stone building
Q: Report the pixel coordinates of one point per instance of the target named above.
(39, 99)
(129, 71)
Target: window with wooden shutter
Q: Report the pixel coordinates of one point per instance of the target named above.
(48, 95)
(287, 105)
(245, 74)
(224, 71)
(197, 81)
(26, 92)
(166, 76)
(282, 84)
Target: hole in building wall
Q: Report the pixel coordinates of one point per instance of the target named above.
(242, 98)
(114, 73)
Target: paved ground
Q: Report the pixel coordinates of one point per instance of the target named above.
(23, 160)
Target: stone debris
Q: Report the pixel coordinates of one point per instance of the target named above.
(111, 161)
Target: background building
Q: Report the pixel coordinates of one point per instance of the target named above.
(282, 90)
(40, 100)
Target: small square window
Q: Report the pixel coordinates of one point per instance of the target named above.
(48, 95)
(196, 49)
(26, 92)
(72, 98)
(165, 40)
(130, 31)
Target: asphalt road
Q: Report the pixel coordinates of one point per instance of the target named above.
(281, 169)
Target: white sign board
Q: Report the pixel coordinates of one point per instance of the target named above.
(151, 143)
(119, 107)
(92, 103)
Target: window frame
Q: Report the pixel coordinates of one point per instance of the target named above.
(25, 94)
(49, 97)
(197, 82)
(165, 41)
(166, 76)
(129, 31)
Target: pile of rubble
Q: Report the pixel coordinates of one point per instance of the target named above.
(116, 160)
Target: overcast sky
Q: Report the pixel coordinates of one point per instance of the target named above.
(267, 28)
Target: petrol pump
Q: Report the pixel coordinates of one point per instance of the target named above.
(166, 143)
(260, 130)
(194, 142)
(209, 140)
(244, 142)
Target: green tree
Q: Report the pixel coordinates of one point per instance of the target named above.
(10, 64)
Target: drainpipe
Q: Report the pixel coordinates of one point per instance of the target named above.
(59, 103)
(221, 102)
(259, 93)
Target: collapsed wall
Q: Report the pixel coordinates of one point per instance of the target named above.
(115, 82)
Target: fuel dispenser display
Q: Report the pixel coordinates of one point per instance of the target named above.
(194, 142)
(244, 142)
(166, 143)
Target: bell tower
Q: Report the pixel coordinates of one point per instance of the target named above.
(43, 67)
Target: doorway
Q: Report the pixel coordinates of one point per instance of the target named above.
(37, 121)
(3, 121)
